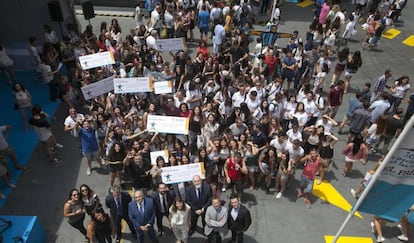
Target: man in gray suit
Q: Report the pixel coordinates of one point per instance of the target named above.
(216, 219)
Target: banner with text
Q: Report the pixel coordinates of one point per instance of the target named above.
(393, 192)
(96, 60)
(99, 88)
(154, 155)
(167, 124)
(162, 87)
(182, 173)
(171, 44)
(132, 85)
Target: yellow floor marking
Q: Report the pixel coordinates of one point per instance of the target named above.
(391, 33)
(305, 4)
(348, 239)
(409, 41)
(327, 192)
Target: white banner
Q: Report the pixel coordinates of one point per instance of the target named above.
(99, 88)
(167, 124)
(154, 155)
(172, 44)
(132, 85)
(182, 173)
(163, 87)
(96, 60)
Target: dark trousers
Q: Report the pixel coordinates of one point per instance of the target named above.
(214, 237)
(237, 236)
(194, 219)
(118, 226)
(79, 226)
(103, 237)
(151, 235)
(159, 216)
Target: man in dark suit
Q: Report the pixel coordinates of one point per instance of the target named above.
(142, 215)
(117, 202)
(239, 219)
(198, 196)
(163, 199)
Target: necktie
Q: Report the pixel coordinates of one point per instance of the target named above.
(119, 206)
(141, 208)
(198, 193)
(164, 203)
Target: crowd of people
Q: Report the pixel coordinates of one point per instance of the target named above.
(255, 115)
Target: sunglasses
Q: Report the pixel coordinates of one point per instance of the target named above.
(84, 190)
(75, 194)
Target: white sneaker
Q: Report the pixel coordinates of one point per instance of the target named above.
(88, 171)
(353, 192)
(279, 195)
(57, 160)
(402, 238)
(380, 239)
(372, 227)
(58, 145)
(223, 189)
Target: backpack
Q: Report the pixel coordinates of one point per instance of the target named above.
(244, 11)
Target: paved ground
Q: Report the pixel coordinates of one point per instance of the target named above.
(43, 189)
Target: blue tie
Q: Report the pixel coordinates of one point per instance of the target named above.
(119, 206)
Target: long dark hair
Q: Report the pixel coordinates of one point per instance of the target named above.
(174, 207)
(357, 141)
(71, 192)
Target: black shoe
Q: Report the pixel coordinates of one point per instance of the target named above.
(191, 232)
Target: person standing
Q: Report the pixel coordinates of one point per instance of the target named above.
(6, 149)
(204, 18)
(354, 151)
(89, 144)
(141, 212)
(44, 133)
(394, 126)
(72, 120)
(117, 202)
(234, 168)
(335, 98)
(6, 66)
(216, 220)
(312, 161)
(218, 37)
(179, 219)
(74, 211)
(23, 101)
(163, 199)
(198, 196)
(380, 85)
(238, 219)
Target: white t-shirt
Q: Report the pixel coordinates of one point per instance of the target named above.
(399, 90)
(238, 98)
(295, 154)
(71, 122)
(252, 104)
(45, 70)
(294, 135)
(280, 147)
